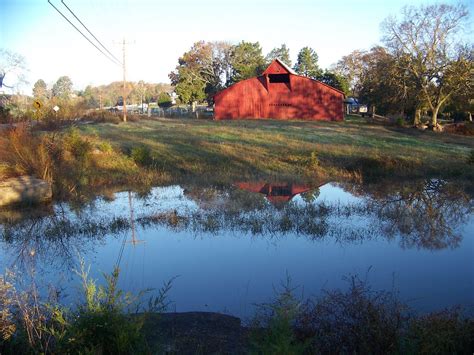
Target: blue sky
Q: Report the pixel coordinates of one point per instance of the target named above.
(164, 30)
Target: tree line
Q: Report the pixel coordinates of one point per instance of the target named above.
(423, 66)
(103, 95)
(209, 67)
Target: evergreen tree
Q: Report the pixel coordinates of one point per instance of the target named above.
(63, 88)
(282, 53)
(246, 60)
(307, 63)
(40, 90)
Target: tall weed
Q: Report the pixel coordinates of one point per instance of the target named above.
(26, 154)
(108, 321)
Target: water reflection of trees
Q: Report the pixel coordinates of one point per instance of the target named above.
(425, 214)
(53, 237)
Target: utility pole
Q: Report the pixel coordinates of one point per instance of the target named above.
(124, 93)
(124, 69)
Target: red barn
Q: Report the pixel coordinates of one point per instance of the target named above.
(275, 192)
(280, 93)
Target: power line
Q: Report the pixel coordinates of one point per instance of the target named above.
(83, 35)
(73, 14)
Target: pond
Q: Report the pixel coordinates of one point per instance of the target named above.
(229, 248)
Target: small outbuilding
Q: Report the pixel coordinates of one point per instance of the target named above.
(280, 93)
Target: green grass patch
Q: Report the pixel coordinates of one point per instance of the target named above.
(226, 151)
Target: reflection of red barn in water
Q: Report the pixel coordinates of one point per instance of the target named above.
(275, 193)
(280, 93)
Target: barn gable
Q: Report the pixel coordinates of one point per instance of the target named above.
(278, 67)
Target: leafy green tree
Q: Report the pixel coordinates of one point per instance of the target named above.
(426, 39)
(307, 63)
(157, 89)
(139, 92)
(90, 96)
(378, 78)
(200, 71)
(461, 106)
(188, 85)
(384, 82)
(335, 80)
(63, 88)
(40, 90)
(282, 53)
(164, 100)
(247, 61)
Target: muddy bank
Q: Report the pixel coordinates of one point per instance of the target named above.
(196, 332)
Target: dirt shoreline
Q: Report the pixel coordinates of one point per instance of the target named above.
(196, 332)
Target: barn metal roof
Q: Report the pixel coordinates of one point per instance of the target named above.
(286, 66)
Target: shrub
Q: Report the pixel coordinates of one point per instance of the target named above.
(164, 100)
(133, 117)
(400, 122)
(313, 161)
(444, 332)
(102, 324)
(103, 117)
(359, 320)
(105, 147)
(141, 155)
(108, 322)
(79, 147)
(273, 327)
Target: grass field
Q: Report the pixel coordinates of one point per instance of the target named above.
(226, 151)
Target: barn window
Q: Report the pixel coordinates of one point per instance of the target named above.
(279, 78)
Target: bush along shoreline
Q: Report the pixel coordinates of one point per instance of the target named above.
(109, 321)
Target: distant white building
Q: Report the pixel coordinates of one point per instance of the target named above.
(174, 97)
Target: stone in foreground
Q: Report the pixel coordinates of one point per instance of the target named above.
(24, 190)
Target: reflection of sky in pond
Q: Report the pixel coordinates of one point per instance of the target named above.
(228, 270)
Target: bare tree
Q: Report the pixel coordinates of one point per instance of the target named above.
(425, 40)
(351, 67)
(13, 65)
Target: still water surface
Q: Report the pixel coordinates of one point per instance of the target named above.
(230, 248)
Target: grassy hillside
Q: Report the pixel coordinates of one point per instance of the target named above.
(225, 151)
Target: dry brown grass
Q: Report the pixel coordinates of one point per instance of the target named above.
(22, 153)
(75, 164)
